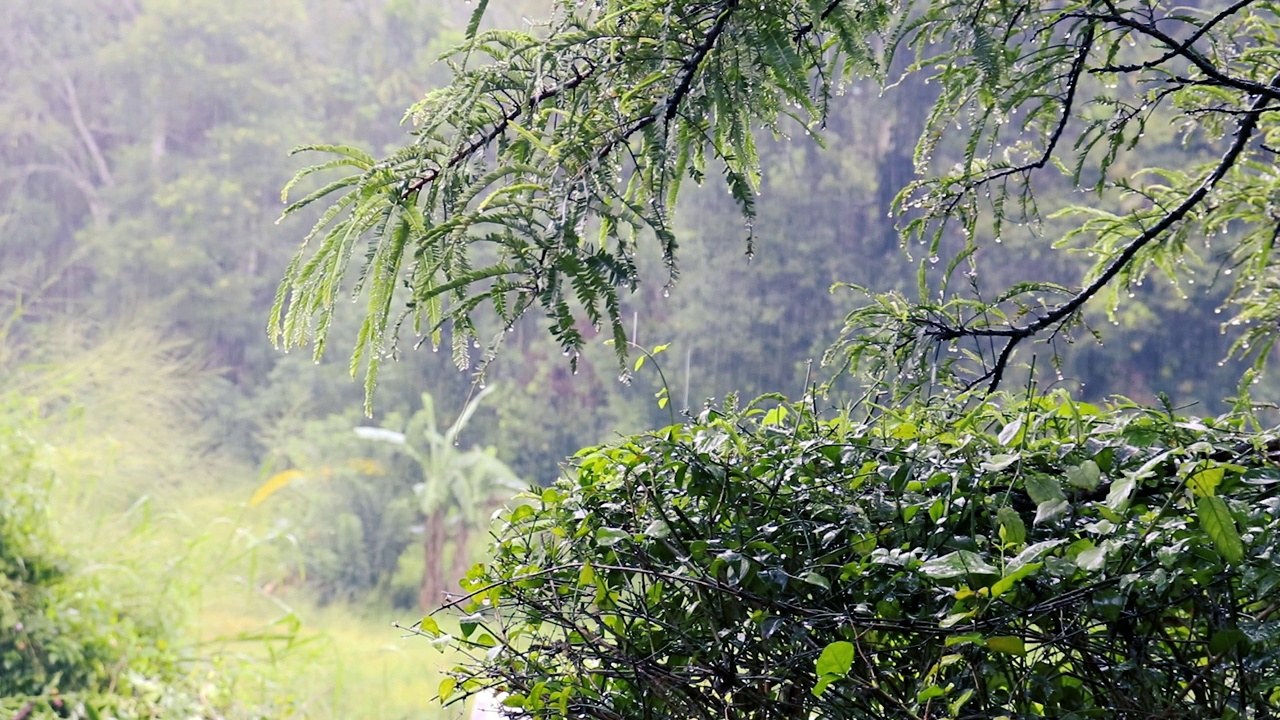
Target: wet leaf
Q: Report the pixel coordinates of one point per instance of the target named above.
(1220, 527)
(1008, 644)
(957, 564)
(1085, 476)
(836, 659)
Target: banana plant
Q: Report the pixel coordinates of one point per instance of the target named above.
(457, 489)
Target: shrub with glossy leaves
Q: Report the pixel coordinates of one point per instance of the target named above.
(1038, 559)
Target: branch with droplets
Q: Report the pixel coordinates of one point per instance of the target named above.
(1064, 312)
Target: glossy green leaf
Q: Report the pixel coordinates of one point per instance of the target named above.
(1043, 489)
(836, 659)
(957, 564)
(1008, 644)
(1051, 509)
(1205, 482)
(1010, 434)
(1220, 527)
(1006, 583)
(1085, 476)
(1012, 530)
(996, 463)
(608, 537)
(814, 578)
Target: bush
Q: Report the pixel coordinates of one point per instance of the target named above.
(1042, 559)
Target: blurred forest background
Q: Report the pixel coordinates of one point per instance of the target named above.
(182, 471)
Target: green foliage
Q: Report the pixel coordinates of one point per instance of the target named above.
(457, 489)
(532, 174)
(593, 124)
(362, 503)
(1168, 135)
(1043, 558)
(53, 626)
(350, 507)
(72, 644)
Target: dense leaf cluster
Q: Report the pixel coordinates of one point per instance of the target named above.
(1041, 559)
(45, 641)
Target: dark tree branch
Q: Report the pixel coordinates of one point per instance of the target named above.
(688, 71)
(1211, 71)
(1182, 47)
(691, 66)
(1068, 102)
(497, 130)
(1017, 333)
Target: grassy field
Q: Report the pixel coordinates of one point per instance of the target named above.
(336, 661)
(342, 662)
(218, 568)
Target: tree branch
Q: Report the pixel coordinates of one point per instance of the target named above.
(1211, 71)
(77, 116)
(1016, 334)
(687, 73)
(83, 184)
(1182, 47)
(1068, 102)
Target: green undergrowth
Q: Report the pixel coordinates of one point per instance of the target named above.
(136, 582)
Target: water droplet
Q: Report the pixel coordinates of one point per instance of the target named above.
(666, 292)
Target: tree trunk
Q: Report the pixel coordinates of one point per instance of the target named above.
(431, 593)
(461, 555)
